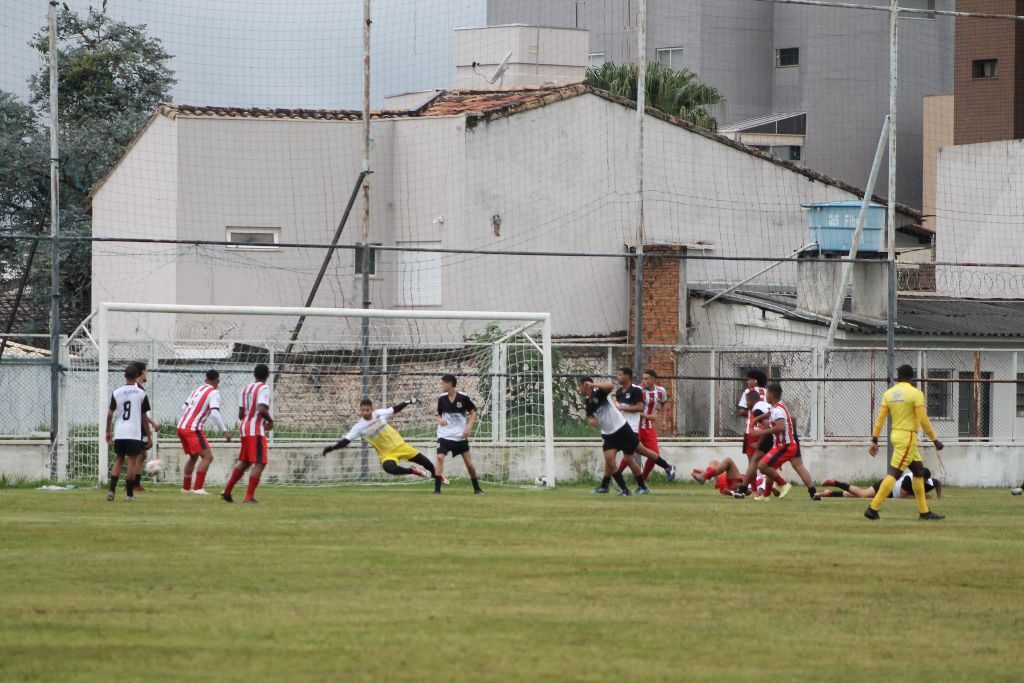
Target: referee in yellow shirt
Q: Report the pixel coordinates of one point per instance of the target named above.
(905, 403)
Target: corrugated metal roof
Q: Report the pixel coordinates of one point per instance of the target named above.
(741, 126)
(917, 314)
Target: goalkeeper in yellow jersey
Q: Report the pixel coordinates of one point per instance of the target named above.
(373, 427)
(906, 404)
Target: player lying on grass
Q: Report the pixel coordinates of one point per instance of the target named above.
(904, 488)
(603, 413)
(906, 404)
(373, 428)
(727, 479)
(786, 447)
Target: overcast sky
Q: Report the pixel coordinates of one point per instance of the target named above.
(271, 53)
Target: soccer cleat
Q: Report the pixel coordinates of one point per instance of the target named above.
(129, 499)
(186, 490)
(600, 489)
(784, 490)
(871, 513)
(1016, 491)
(226, 497)
(698, 476)
(110, 496)
(200, 492)
(931, 515)
(420, 472)
(444, 479)
(760, 496)
(479, 492)
(139, 489)
(671, 473)
(817, 496)
(738, 495)
(643, 491)
(829, 482)
(250, 501)
(626, 492)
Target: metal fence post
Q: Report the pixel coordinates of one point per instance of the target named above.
(712, 397)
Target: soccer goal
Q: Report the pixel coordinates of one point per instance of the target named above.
(318, 376)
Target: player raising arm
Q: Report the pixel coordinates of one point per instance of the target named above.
(617, 435)
(905, 403)
(373, 428)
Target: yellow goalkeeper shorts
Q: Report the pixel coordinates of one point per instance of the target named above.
(904, 449)
(401, 451)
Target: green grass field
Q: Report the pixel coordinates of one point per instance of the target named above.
(395, 584)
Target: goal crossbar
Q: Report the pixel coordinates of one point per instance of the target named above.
(100, 336)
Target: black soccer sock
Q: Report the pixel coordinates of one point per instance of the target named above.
(811, 491)
(113, 482)
(640, 483)
(662, 463)
(621, 481)
(843, 485)
(138, 481)
(606, 481)
(437, 484)
(392, 467)
(476, 483)
(129, 486)
(424, 462)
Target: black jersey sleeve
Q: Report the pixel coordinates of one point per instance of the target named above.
(468, 404)
(113, 402)
(440, 405)
(597, 396)
(634, 395)
(145, 405)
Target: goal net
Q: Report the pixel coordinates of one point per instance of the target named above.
(501, 360)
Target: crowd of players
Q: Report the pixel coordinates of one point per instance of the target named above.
(626, 414)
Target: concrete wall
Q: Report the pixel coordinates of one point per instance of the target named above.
(980, 217)
(965, 465)
(139, 199)
(938, 133)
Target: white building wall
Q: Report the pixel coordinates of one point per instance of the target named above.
(980, 219)
(139, 199)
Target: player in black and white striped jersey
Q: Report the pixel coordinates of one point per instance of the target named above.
(127, 429)
(603, 413)
(456, 415)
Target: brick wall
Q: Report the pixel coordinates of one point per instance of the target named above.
(661, 316)
(989, 109)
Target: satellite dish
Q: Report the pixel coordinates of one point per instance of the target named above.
(502, 68)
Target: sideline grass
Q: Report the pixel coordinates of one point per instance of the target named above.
(395, 584)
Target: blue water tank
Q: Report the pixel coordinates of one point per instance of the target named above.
(832, 226)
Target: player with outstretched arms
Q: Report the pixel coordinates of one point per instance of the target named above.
(456, 415)
(254, 423)
(373, 428)
(632, 400)
(786, 447)
(202, 404)
(127, 430)
(906, 404)
(603, 413)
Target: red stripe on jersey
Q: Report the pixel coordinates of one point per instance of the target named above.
(196, 409)
(650, 404)
(252, 425)
(787, 436)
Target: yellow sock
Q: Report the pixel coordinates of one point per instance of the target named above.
(922, 502)
(884, 491)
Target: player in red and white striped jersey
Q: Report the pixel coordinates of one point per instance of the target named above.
(254, 423)
(203, 404)
(656, 399)
(758, 417)
(787, 445)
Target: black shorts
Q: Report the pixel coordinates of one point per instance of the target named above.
(623, 439)
(128, 447)
(450, 447)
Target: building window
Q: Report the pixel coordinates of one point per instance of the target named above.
(787, 56)
(252, 238)
(794, 152)
(672, 57)
(940, 394)
(373, 259)
(595, 59)
(985, 68)
(928, 5)
(419, 275)
(1020, 394)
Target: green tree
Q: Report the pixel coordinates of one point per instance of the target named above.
(677, 92)
(111, 76)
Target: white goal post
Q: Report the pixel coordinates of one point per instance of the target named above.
(503, 359)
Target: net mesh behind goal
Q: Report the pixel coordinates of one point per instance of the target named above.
(317, 383)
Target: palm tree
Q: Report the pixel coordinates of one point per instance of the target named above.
(674, 91)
